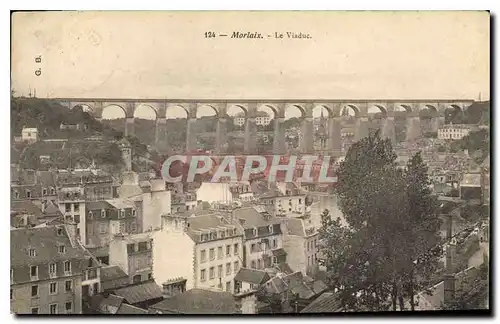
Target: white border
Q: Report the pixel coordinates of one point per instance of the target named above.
(200, 5)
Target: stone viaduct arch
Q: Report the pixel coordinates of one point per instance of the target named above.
(412, 108)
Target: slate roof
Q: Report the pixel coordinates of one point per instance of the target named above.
(126, 309)
(140, 293)
(278, 252)
(198, 301)
(297, 284)
(98, 205)
(253, 218)
(46, 178)
(252, 276)
(328, 302)
(101, 302)
(26, 206)
(112, 273)
(45, 241)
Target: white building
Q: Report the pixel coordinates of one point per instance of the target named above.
(29, 135)
(454, 132)
(205, 250)
(300, 241)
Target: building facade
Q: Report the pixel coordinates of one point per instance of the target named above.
(46, 273)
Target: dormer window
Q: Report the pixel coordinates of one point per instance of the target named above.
(32, 252)
(134, 212)
(222, 234)
(59, 232)
(254, 231)
(52, 191)
(271, 229)
(122, 213)
(44, 191)
(91, 214)
(103, 213)
(62, 249)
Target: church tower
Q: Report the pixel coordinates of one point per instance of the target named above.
(322, 132)
(126, 150)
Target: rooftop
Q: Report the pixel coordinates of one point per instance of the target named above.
(140, 293)
(328, 302)
(198, 301)
(252, 276)
(112, 273)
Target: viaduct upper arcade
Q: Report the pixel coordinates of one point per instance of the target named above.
(250, 107)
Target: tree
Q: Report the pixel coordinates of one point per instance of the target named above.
(422, 228)
(382, 255)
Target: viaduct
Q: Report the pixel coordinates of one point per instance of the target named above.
(250, 107)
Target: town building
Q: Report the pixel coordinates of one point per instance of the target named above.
(249, 280)
(134, 254)
(29, 135)
(300, 242)
(454, 131)
(209, 253)
(37, 186)
(113, 277)
(46, 272)
(241, 191)
(263, 240)
(283, 199)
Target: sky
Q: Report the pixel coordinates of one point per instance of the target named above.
(350, 55)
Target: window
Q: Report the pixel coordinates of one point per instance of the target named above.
(228, 249)
(122, 228)
(236, 248)
(122, 213)
(52, 269)
(236, 266)
(11, 275)
(68, 285)
(134, 212)
(53, 288)
(150, 276)
(28, 194)
(212, 272)
(203, 255)
(137, 278)
(228, 268)
(254, 231)
(67, 266)
(103, 229)
(34, 291)
(76, 208)
(253, 248)
(34, 272)
(219, 271)
(52, 191)
(275, 260)
(300, 201)
(219, 252)
(32, 253)
(275, 243)
(34, 310)
(270, 229)
(67, 208)
(68, 307)
(258, 264)
(228, 286)
(53, 309)
(62, 249)
(253, 264)
(103, 213)
(202, 275)
(212, 254)
(16, 194)
(44, 191)
(11, 294)
(91, 215)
